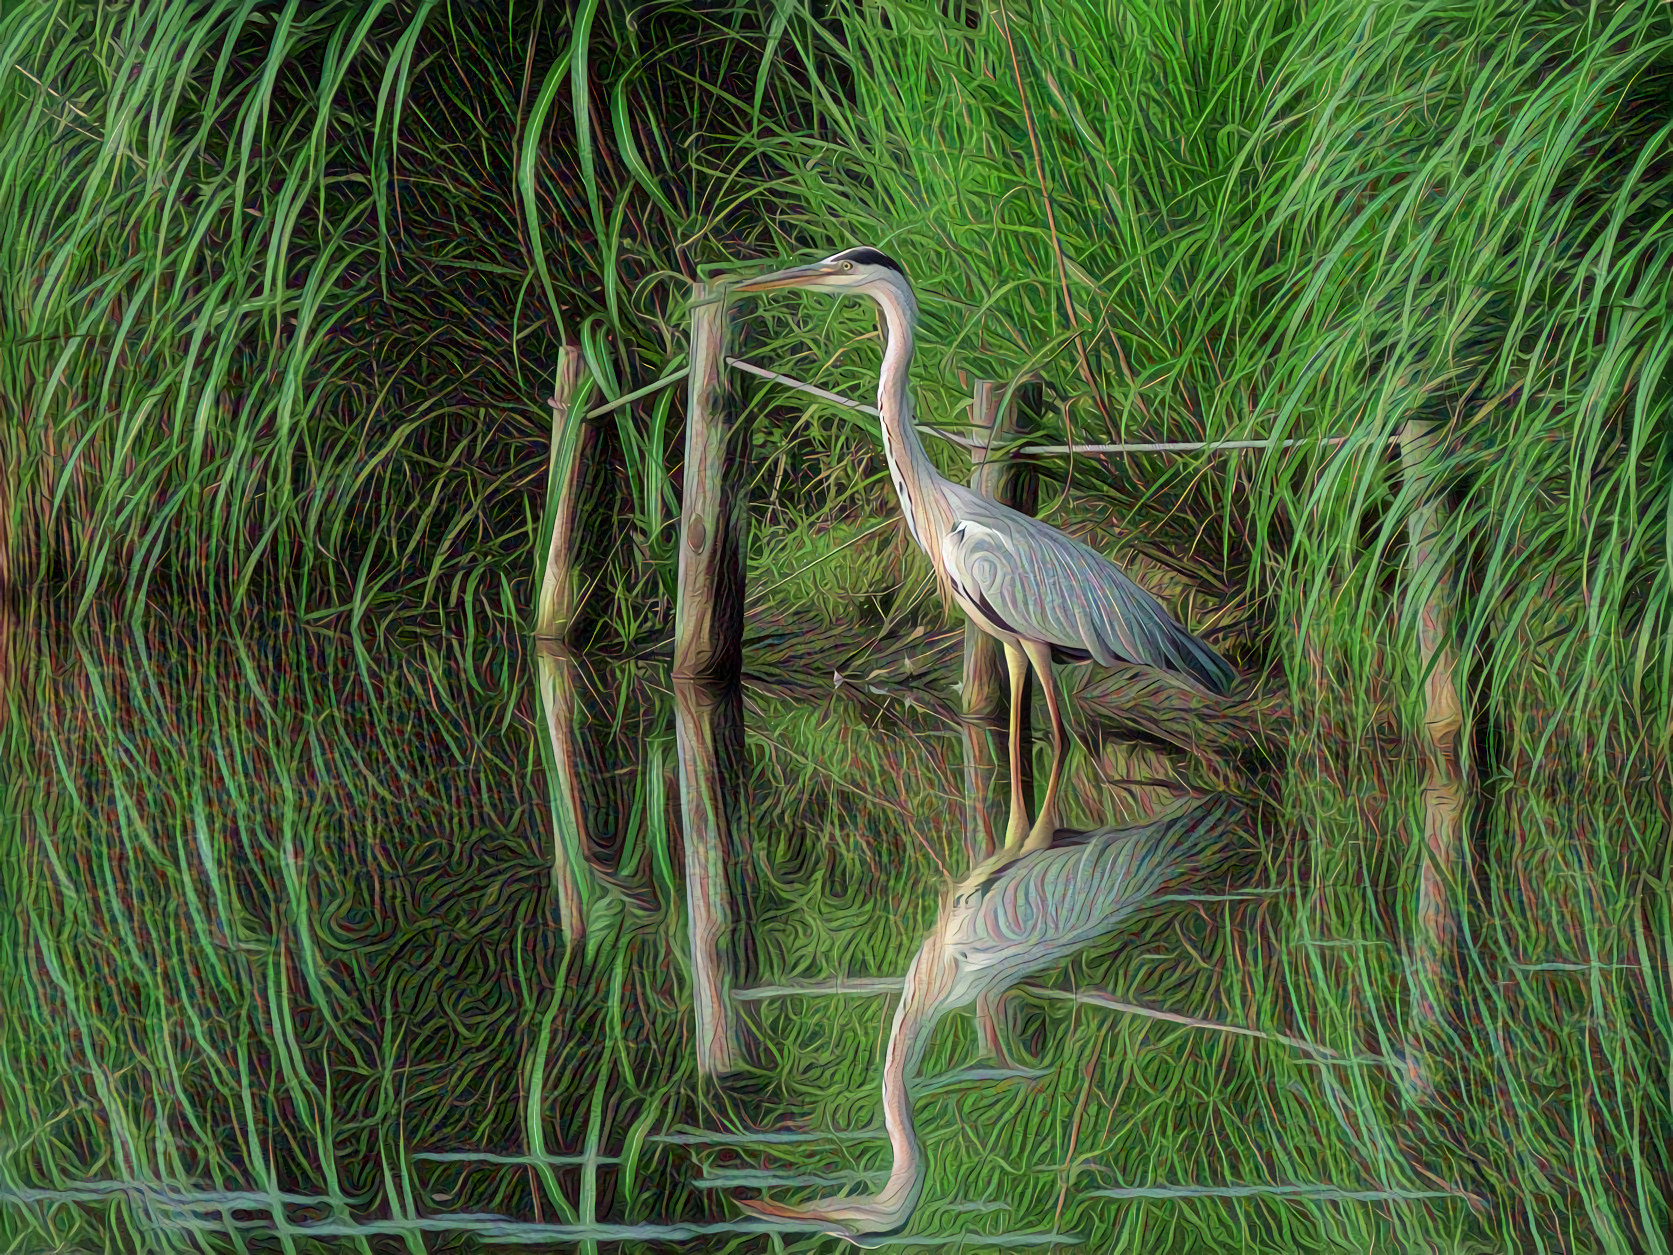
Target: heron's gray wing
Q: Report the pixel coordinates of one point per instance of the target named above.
(1033, 580)
(1052, 902)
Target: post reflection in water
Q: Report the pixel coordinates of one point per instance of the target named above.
(556, 672)
(588, 875)
(709, 730)
(1012, 914)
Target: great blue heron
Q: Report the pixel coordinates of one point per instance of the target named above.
(1016, 912)
(1041, 593)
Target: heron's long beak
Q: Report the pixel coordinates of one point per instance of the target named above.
(796, 276)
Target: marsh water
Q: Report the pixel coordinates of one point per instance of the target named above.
(329, 942)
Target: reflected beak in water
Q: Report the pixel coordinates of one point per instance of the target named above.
(813, 1219)
(780, 1211)
(863, 1221)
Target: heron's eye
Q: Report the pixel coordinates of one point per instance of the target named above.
(848, 265)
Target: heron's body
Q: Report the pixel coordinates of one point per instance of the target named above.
(1040, 592)
(1014, 914)
(1023, 580)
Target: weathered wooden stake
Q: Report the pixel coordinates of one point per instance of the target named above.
(1012, 484)
(1444, 750)
(714, 511)
(572, 439)
(708, 731)
(979, 766)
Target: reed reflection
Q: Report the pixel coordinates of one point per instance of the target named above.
(1015, 912)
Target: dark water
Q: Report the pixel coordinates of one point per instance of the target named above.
(432, 944)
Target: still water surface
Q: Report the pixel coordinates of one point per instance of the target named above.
(426, 945)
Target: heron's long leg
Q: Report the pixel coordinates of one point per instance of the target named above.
(1016, 661)
(1045, 824)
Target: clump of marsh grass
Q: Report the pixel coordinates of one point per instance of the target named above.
(285, 293)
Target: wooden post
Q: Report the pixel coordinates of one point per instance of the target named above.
(709, 733)
(572, 439)
(1004, 480)
(979, 766)
(714, 510)
(1444, 751)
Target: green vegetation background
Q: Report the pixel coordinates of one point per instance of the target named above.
(283, 289)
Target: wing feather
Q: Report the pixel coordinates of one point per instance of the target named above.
(1033, 580)
(1050, 902)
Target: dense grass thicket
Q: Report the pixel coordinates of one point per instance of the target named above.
(283, 288)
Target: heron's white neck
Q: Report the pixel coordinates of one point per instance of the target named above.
(929, 982)
(916, 480)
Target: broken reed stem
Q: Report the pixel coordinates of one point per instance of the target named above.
(709, 611)
(572, 438)
(1445, 764)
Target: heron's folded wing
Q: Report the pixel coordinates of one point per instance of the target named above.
(1044, 586)
(1028, 576)
(1054, 900)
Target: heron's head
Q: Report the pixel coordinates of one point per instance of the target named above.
(852, 270)
(861, 1220)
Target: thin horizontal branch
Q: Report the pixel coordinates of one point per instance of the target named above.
(721, 1137)
(1182, 446)
(1060, 450)
(832, 397)
(853, 985)
(761, 1179)
(1324, 1193)
(482, 1156)
(866, 985)
(620, 401)
(1093, 998)
(1178, 446)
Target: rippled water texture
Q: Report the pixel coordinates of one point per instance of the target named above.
(431, 944)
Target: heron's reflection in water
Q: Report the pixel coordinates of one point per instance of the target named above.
(1016, 912)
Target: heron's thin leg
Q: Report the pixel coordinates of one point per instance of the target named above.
(1016, 661)
(1045, 824)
